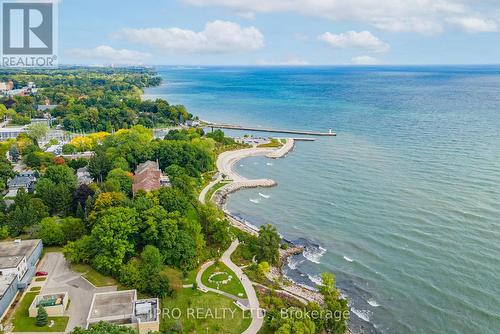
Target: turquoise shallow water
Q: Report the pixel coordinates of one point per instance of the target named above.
(403, 205)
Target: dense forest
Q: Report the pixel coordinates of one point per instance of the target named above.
(91, 100)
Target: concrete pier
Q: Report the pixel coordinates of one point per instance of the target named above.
(330, 133)
(283, 150)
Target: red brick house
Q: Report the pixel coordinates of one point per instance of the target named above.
(148, 176)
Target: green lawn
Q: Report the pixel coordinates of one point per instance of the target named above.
(243, 255)
(234, 287)
(265, 329)
(23, 323)
(93, 276)
(212, 190)
(272, 143)
(210, 313)
(192, 214)
(36, 288)
(191, 276)
(207, 178)
(40, 279)
(175, 278)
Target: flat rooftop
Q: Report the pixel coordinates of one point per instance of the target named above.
(113, 305)
(11, 252)
(13, 129)
(7, 262)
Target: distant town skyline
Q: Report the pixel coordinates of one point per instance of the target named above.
(279, 32)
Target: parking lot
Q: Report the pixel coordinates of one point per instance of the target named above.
(61, 279)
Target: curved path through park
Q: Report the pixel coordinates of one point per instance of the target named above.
(251, 304)
(225, 163)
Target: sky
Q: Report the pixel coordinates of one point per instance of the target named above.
(279, 32)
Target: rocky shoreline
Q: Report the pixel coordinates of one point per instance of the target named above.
(225, 162)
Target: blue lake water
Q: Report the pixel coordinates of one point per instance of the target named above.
(403, 205)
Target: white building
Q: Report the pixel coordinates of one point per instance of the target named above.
(15, 266)
(18, 261)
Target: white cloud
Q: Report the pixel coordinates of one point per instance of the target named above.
(423, 16)
(289, 62)
(474, 24)
(363, 40)
(216, 37)
(105, 53)
(419, 25)
(246, 15)
(364, 60)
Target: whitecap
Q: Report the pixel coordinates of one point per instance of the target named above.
(269, 163)
(348, 259)
(264, 196)
(254, 200)
(362, 314)
(373, 302)
(242, 165)
(313, 254)
(315, 279)
(293, 263)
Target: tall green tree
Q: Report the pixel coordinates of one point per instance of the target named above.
(159, 228)
(99, 164)
(56, 188)
(215, 227)
(335, 304)
(25, 212)
(268, 244)
(115, 232)
(38, 131)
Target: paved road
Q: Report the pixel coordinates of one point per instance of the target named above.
(62, 279)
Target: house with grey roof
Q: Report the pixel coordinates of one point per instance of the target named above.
(25, 179)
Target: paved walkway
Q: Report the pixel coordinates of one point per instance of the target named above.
(205, 190)
(225, 162)
(256, 311)
(251, 304)
(203, 287)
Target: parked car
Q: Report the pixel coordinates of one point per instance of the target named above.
(41, 273)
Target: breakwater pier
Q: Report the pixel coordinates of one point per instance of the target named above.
(330, 133)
